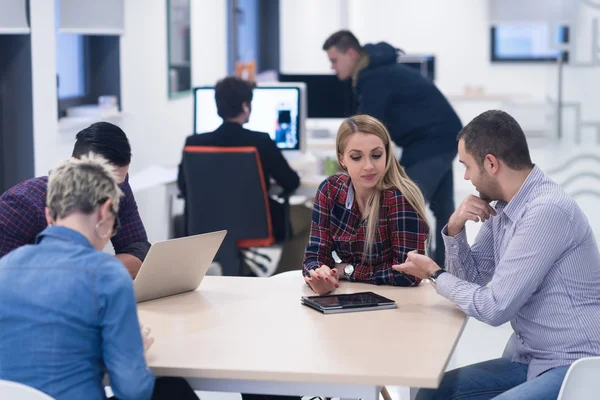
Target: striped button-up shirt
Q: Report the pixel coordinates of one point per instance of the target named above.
(535, 264)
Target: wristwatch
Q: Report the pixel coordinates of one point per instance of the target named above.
(348, 271)
(434, 276)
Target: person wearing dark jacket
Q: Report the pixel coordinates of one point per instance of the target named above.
(420, 119)
(233, 97)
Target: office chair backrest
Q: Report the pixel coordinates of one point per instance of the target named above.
(18, 391)
(581, 381)
(511, 347)
(226, 190)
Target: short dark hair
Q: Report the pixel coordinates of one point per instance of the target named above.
(106, 140)
(496, 132)
(342, 40)
(230, 94)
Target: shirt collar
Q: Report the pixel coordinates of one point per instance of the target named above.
(61, 233)
(229, 126)
(363, 63)
(513, 208)
(350, 195)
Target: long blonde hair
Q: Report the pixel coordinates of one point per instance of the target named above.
(394, 176)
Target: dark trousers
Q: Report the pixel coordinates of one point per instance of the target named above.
(294, 247)
(166, 388)
(435, 178)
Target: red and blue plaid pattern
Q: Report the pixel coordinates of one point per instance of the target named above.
(340, 229)
(22, 216)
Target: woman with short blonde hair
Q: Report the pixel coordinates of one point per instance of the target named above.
(67, 310)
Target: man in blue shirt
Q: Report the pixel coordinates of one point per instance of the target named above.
(67, 310)
(535, 262)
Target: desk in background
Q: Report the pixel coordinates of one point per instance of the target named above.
(155, 189)
(252, 335)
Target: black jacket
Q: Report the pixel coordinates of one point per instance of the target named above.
(417, 114)
(230, 134)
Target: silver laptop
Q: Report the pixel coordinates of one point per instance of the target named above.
(176, 266)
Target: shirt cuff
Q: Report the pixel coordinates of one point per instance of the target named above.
(138, 250)
(454, 244)
(309, 267)
(444, 284)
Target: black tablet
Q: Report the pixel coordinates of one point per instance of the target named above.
(342, 303)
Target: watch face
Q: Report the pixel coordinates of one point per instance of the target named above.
(348, 270)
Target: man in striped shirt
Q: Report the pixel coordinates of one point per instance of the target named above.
(535, 263)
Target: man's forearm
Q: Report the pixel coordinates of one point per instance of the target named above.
(132, 263)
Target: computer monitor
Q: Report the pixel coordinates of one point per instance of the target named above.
(533, 42)
(327, 96)
(424, 64)
(277, 109)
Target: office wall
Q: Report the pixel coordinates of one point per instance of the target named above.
(303, 27)
(155, 124)
(16, 136)
(49, 147)
(581, 80)
(456, 31)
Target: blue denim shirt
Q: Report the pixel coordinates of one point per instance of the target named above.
(67, 314)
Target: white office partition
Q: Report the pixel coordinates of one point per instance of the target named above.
(13, 17)
(553, 11)
(92, 17)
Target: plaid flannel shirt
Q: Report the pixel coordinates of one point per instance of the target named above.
(337, 226)
(22, 218)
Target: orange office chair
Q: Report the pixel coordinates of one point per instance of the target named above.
(226, 190)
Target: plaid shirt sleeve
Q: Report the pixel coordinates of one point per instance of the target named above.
(407, 232)
(21, 217)
(320, 245)
(132, 238)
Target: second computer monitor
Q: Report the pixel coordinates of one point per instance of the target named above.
(276, 110)
(327, 96)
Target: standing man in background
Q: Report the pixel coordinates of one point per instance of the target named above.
(417, 114)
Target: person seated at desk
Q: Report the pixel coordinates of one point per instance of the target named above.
(535, 263)
(67, 310)
(234, 98)
(22, 206)
(372, 217)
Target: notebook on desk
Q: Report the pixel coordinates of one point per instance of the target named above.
(344, 303)
(176, 266)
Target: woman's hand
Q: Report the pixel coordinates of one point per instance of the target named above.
(322, 280)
